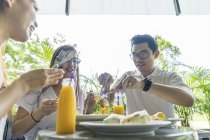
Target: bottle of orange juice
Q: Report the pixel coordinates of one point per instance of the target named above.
(118, 107)
(66, 113)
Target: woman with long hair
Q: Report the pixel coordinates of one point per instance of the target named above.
(37, 109)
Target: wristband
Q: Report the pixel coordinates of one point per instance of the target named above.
(33, 118)
(147, 84)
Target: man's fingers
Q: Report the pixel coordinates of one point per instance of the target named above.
(118, 85)
(125, 82)
(129, 82)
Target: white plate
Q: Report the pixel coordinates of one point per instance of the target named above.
(174, 120)
(124, 129)
(91, 117)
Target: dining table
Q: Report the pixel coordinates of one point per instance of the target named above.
(163, 133)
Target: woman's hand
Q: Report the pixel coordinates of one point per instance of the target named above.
(40, 78)
(46, 107)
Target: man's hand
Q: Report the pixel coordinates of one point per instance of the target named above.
(127, 81)
(132, 82)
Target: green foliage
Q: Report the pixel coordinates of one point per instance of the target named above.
(201, 87)
(198, 79)
(96, 109)
(34, 54)
(90, 83)
(167, 59)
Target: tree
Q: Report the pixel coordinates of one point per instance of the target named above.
(168, 60)
(34, 54)
(168, 55)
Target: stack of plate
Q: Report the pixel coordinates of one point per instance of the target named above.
(125, 129)
(174, 120)
(89, 118)
(204, 134)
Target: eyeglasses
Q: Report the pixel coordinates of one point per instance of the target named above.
(142, 55)
(75, 60)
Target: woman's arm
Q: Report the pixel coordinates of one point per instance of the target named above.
(9, 96)
(27, 82)
(24, 121)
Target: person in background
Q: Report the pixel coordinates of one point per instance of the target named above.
(105, 80)
(148, 87)
(17, 22)
(37, 110)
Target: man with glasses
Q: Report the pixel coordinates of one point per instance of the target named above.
(149, 87)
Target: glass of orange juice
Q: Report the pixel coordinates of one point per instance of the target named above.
(118, 107)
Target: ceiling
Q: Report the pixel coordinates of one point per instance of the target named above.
(121, 7)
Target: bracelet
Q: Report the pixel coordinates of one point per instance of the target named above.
(33, 118)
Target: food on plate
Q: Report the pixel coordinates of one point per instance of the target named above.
(159, 116)
(103, 103)
(97, 98)
(113, 118)
(104, 107)
(137, 117)
(141, 117)
(89, 103)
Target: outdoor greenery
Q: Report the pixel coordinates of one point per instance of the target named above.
(37, 53)
(34, 54)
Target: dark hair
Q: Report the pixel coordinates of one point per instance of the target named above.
(58, 50)
(137, 39)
